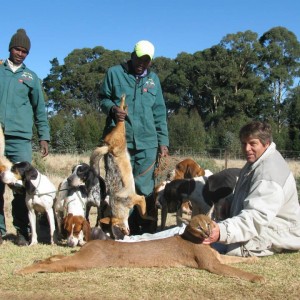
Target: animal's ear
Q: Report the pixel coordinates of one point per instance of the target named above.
(91, 179)
(68, 222)
(201, 172)
(86, 228)
(30, 173)
(106, 220)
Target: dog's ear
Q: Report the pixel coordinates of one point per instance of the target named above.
(91, 179)
(201, 172)
(30, 173)
(68, 222)
(106, 220)
(86, 228)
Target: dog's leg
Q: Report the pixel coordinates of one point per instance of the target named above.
(164, 214)
(50, 216)
(32, 220)
(179, 213)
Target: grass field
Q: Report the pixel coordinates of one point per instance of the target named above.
(281, 271)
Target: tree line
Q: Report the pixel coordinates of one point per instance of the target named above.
(209, 95)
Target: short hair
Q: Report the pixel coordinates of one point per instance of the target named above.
(257, 130)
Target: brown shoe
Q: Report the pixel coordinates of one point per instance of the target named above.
(1, 239)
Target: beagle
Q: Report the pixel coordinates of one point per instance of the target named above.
(179, 191)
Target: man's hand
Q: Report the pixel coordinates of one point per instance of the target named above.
(214, 235)
(44, 148)
(164, 151)
(119, 113)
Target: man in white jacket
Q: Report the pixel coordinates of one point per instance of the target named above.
(265, 212)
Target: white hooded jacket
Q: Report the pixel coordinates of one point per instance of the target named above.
(265, 211)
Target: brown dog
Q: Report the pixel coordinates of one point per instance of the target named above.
(121, 197)
(183, 250)
(188, 168)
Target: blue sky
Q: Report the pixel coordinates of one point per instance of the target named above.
(57, 27)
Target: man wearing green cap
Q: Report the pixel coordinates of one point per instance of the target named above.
(145, 121)
(21, 104)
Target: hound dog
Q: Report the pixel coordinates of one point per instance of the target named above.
(40, 194)
(179, 191)
(122, 194)
(77, 194)
(186, 169)
(218, 190)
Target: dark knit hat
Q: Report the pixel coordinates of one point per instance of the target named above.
(20, 39)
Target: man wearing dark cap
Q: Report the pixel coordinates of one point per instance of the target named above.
(21, 104)
(145, 120)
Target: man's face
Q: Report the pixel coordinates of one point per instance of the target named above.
(253, 149)
(140, 64)
(18, 55)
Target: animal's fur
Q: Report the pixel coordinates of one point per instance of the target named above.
(179, 191)
(40, 194)
(218, 190)
(5, 163)
(186, 169)
(119, 176)
(78, 229)
(177, 251)
(77, 193)
(115, 143)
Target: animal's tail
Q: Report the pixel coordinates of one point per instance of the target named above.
(96, 156)
(2, 142)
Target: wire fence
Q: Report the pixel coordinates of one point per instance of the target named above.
(214, 153)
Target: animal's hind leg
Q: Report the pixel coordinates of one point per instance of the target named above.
(225, 270)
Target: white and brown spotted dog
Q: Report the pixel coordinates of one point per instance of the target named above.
(186, 169)
(119, 176)
(76, 195)
(40, 194)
